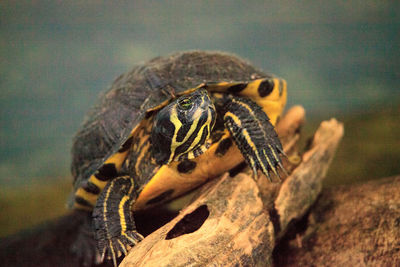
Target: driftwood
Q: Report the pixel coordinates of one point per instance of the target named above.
(237, 221)
(212, 230)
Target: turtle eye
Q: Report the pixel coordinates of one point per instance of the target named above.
(185, 104)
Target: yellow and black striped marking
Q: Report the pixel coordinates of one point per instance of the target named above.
(176, 149)
(254, 135)
(259, 148)
(86, 195)
(187, 139)
(269, 93)
(115, 229)
(182, 128)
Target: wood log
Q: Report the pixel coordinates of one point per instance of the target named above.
(225, 224)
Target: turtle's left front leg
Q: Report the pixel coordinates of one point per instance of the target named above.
(114, 225)
(254, 134)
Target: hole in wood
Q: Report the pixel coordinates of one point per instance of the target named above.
(190, 223)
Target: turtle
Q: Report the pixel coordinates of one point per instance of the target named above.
(164, 128)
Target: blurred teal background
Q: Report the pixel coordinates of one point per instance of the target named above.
(341, 59)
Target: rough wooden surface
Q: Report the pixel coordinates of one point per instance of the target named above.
(235, 228)
(245, 217)
(300, 190)
(353, 225)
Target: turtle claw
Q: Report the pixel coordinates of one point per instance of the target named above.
(271, 162)
(264, 157)
(267, 161)
(115, 247)
(267, 165)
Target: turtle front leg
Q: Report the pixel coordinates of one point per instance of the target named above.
(114, 225)
(254, 135)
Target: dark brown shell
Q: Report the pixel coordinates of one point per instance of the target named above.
(124, 105)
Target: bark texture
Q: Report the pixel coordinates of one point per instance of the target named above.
(357, 225)
(226, 224)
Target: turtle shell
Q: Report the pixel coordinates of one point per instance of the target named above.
(146, 87)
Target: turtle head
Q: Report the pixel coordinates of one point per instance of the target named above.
(181, 130)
